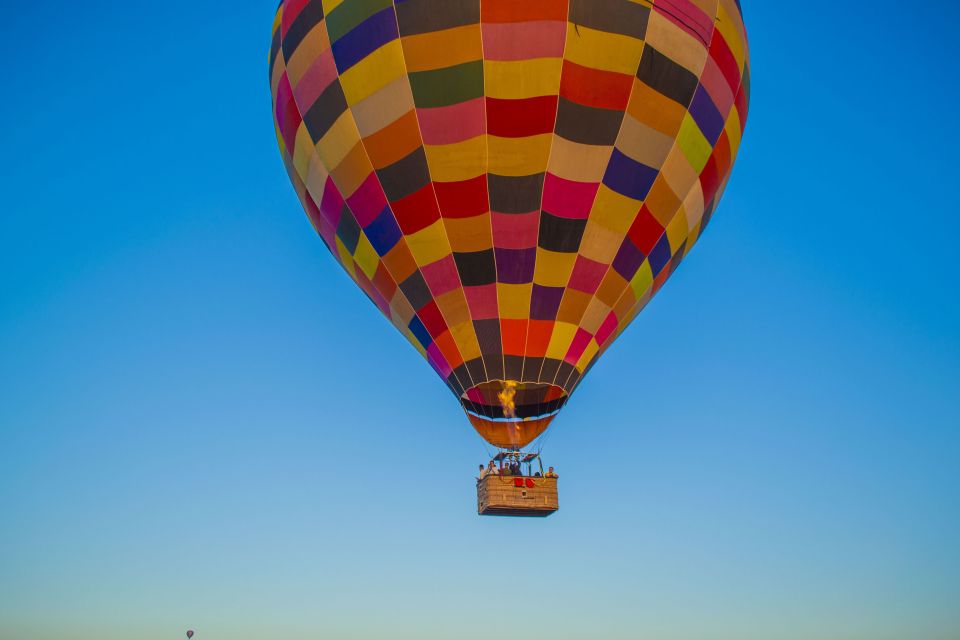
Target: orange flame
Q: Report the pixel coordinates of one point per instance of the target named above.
(506, 398)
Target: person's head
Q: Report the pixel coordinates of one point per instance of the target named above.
(550, 469)
(481, 467)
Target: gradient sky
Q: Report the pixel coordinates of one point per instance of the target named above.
(204, 424)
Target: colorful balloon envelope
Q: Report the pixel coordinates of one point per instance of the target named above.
(509, 181)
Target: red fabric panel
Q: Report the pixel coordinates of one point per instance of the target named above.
(595, 87)
(521, 118)
(416, 211)
(721, 54)
(645, 231)
(513, 11)
(463, 199)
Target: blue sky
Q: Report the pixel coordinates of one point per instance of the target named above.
(192, 395)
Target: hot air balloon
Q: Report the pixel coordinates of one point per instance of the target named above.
(509, 182)
(189, 634)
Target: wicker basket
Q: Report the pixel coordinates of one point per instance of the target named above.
(516, 496)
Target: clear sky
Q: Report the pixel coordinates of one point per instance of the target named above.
(204, 424)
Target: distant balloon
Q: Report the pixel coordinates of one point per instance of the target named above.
(510, 182)
(190, 633)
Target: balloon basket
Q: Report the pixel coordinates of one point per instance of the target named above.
(517, 496)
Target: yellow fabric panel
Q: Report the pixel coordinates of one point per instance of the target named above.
(734, 132)
(345, 258)
(430, 244)
(613, 211)
(560, 339)
(518, 156)
(517, 79)
(602, 50)
(466, 338)
(553, 268)
(469, 234)
(457, 162)
(447, 48)
(592, 349)
(579, 162)
(642, 279)
(330, 5)
(677, 230)
(366, 257)
(338, 141)
(695, 146)
(303, 151)
(373, 73)
(514, 300)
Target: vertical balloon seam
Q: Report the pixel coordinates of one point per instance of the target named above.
(433, 191)
(648, 294)
(363, 143)
(613, 148)
(553, 137)
(659, 177)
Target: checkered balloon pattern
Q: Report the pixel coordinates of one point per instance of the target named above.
(509, 181)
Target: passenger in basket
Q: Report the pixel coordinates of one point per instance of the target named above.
(483, 473)
(492, 469)
(551, 473)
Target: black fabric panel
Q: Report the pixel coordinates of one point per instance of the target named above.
(666, 76)
(453, 380)
(416, 290)
(405, 176)
(587, 125)
(274, 50)
(613, 16)
(325, 111)
(560, 234)
(563, 372)
(513, 367)
(422, 16)
(348, 230)
(477, 371)
(531, 368)
(549, 370)
(488, 335)
(476, 268)
(515, 194)
(308, 18)
(494, 363)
